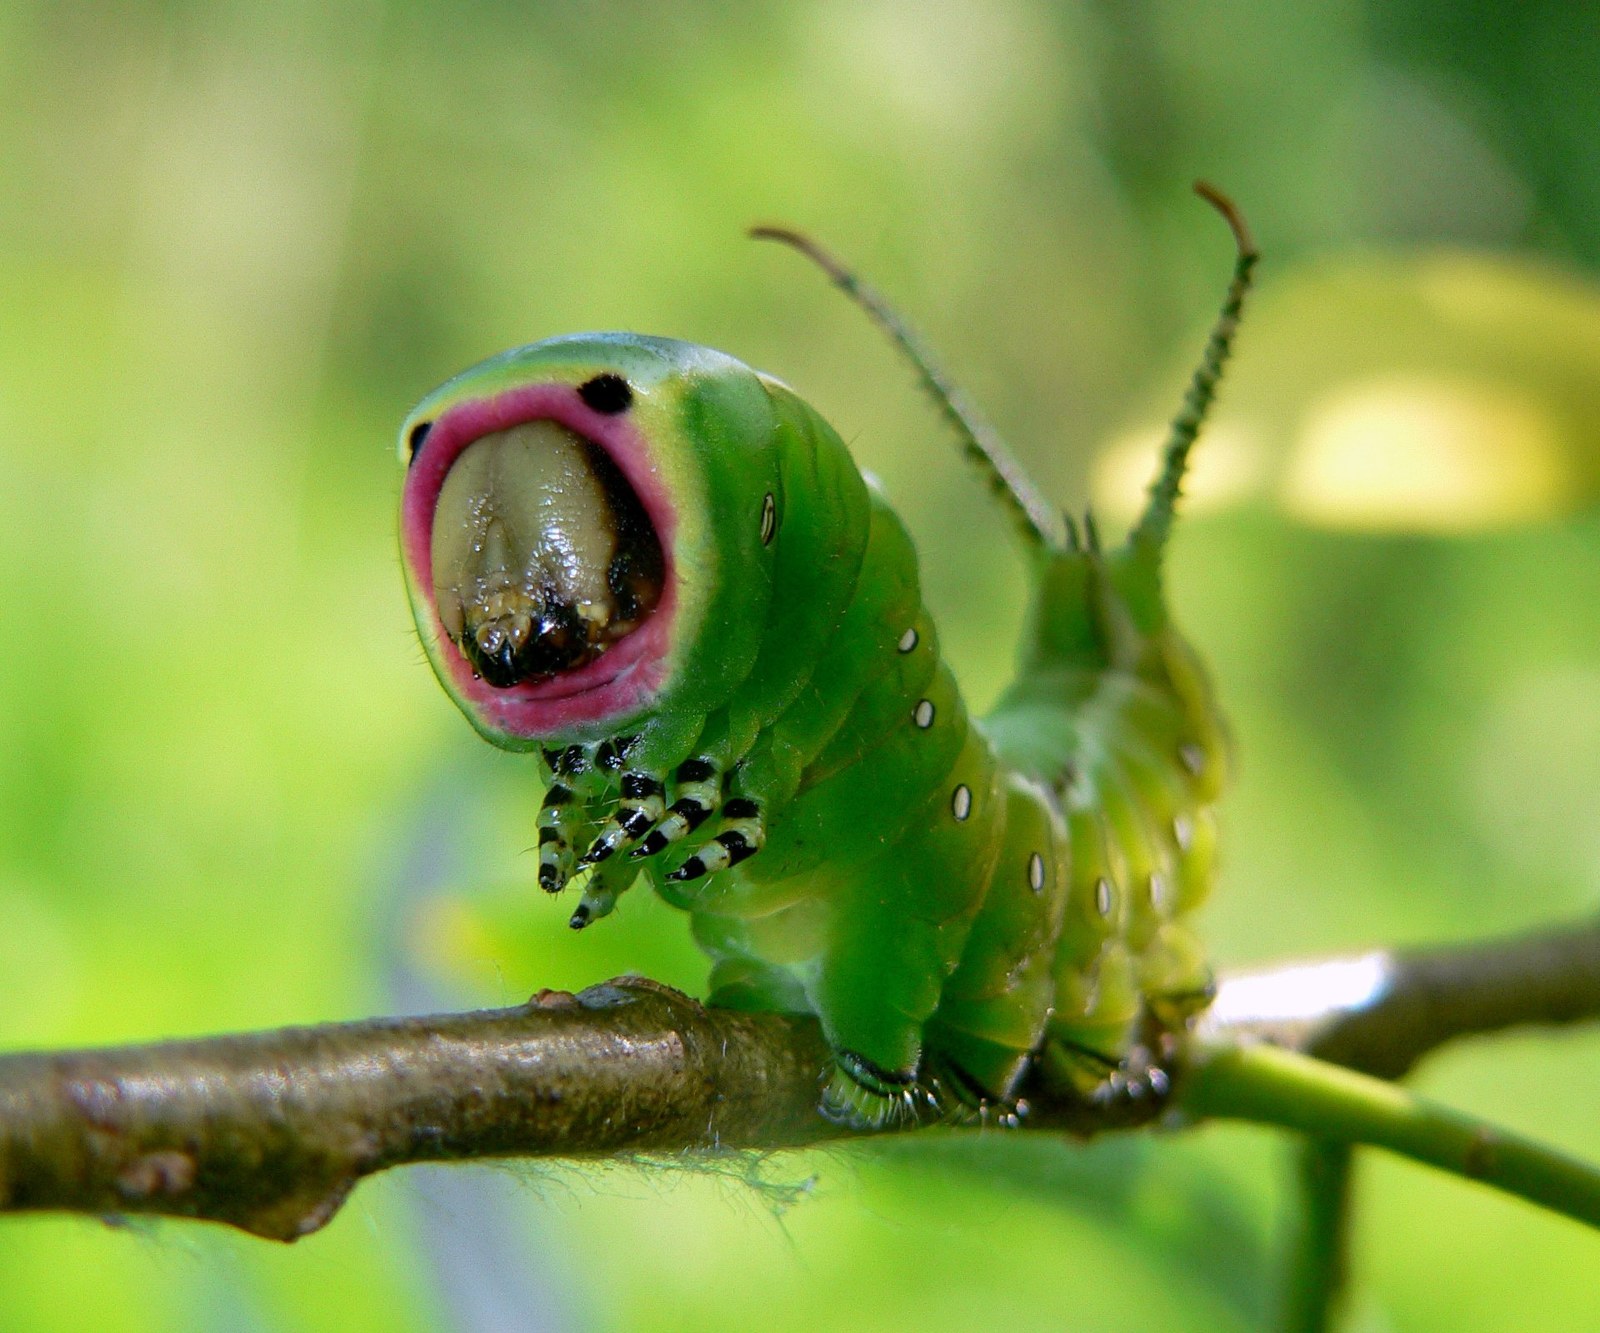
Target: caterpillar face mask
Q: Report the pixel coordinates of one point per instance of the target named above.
(663, 573)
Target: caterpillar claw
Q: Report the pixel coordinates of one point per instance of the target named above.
(597, 902)
(670, 830)
(601, 892)
(553, 875)
(862, 1095)
(693, 868)
(956, 1097)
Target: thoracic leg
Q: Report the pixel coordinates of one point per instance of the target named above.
(600, 893)
(763, 777)
(575, 782)
(643, 803)
(698, 796)
(644, 761)
(742, 834)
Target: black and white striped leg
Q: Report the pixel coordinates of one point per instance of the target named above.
(559, 819)
(743, 834)
(572, 774)
(697, 786)
(643, 803)
(608, 883)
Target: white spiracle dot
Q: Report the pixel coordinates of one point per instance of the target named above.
(769, 518)
(1036, 873)
(922, 714)
(1183, 832)
(1192, 757)
(961, 802)
(1102, 896)
(908, 641)
(1158, 891)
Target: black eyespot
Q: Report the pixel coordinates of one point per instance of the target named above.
(607, 393)
(419, 433)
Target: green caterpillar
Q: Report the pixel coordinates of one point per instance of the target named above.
(664, 573)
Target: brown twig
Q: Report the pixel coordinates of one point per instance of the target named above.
(1382, 1012)
(270, 1131)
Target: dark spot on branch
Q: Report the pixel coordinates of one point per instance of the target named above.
(156, 1174)
(554, 999)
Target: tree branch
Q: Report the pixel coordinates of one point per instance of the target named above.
(1382, 1012)
(270, 1131)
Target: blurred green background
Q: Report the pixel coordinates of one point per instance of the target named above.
(237, 240)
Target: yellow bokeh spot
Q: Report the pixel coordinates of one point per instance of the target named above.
(446, 937)
(1425, 454)
(1226, 465)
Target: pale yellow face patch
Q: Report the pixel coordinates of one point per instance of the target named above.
(522, 511)
(542, 555)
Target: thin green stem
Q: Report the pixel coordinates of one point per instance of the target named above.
(1269, 1085)
(1315, 1270)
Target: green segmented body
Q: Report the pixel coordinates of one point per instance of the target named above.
(788, 757)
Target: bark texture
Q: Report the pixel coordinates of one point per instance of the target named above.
(270, 1131)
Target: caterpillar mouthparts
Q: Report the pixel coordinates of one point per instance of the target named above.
(542, 554)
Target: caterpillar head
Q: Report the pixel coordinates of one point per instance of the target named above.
(586, 530)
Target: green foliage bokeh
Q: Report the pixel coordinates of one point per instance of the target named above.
(238, 240)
